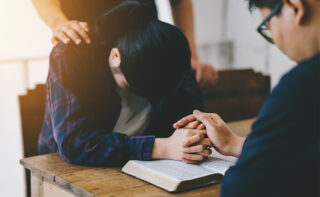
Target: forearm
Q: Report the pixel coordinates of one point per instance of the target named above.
(105, 149)
(50, 12)
(182, 12)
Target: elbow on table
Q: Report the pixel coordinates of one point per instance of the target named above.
(80, 156)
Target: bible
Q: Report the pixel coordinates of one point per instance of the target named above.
(175, 176)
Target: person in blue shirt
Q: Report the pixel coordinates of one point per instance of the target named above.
(281, 155)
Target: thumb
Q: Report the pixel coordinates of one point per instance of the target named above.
(54, 41)
(202, 117)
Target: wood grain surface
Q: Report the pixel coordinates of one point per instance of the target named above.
(50, 173)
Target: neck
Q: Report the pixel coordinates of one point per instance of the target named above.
(318, 38)
(309, 46)
(317, 16)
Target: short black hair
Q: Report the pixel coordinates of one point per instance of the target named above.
(155, 56)
(253, 4)
(271, 4)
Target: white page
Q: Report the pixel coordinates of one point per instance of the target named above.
(220, 156)
(217, 165)
(176, 169)
(218, 162)
(179, 170)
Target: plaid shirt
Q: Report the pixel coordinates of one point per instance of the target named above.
(82, 108)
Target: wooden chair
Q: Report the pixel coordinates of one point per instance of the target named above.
(238, 94)
(32, 107)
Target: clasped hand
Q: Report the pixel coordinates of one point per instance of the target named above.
(218, 132)
(188, 145)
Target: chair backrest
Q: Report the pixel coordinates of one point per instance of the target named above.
(238, 94)
(32, 106)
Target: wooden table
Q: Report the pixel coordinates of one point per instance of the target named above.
(53, 177)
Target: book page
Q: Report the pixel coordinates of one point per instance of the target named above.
(218, 163)
(176, 169)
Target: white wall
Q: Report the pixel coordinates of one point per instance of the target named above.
(22, 35)
(250, 49)
(249, 46)
(210, 29)
(226, 37)
(11, 174)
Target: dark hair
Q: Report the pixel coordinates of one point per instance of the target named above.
(155, 56)
(253, 4)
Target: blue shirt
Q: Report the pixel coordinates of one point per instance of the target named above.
(281, 155)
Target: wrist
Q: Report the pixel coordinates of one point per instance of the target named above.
(159, 150)
(57, 20)
(236, 146)
(194, 59)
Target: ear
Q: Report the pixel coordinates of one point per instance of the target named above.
(114, 58)
(299, 9)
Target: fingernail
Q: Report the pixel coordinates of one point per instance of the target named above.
(88, 41)
(78, 41)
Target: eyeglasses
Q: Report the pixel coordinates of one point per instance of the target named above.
(263, 29)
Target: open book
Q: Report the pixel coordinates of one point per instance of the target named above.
(178, 176)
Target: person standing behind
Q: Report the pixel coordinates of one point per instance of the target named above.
(70, 20)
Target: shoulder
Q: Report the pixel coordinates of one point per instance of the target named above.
(78, 66)
(292, 104)
(71, 52)
(305, 73)
(296, 90)
(66, 60)
(285, 132)
(71, 58)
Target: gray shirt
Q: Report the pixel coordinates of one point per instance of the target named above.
(134, 115)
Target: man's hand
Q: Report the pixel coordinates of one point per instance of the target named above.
(187, 145)
(206, 74)
(71, 30)
(189, 122)
(220, 135)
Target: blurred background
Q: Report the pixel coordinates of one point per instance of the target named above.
(226, 37)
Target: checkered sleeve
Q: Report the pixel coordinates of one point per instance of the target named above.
(79, 130)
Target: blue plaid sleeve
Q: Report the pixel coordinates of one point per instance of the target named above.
(79, 131)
